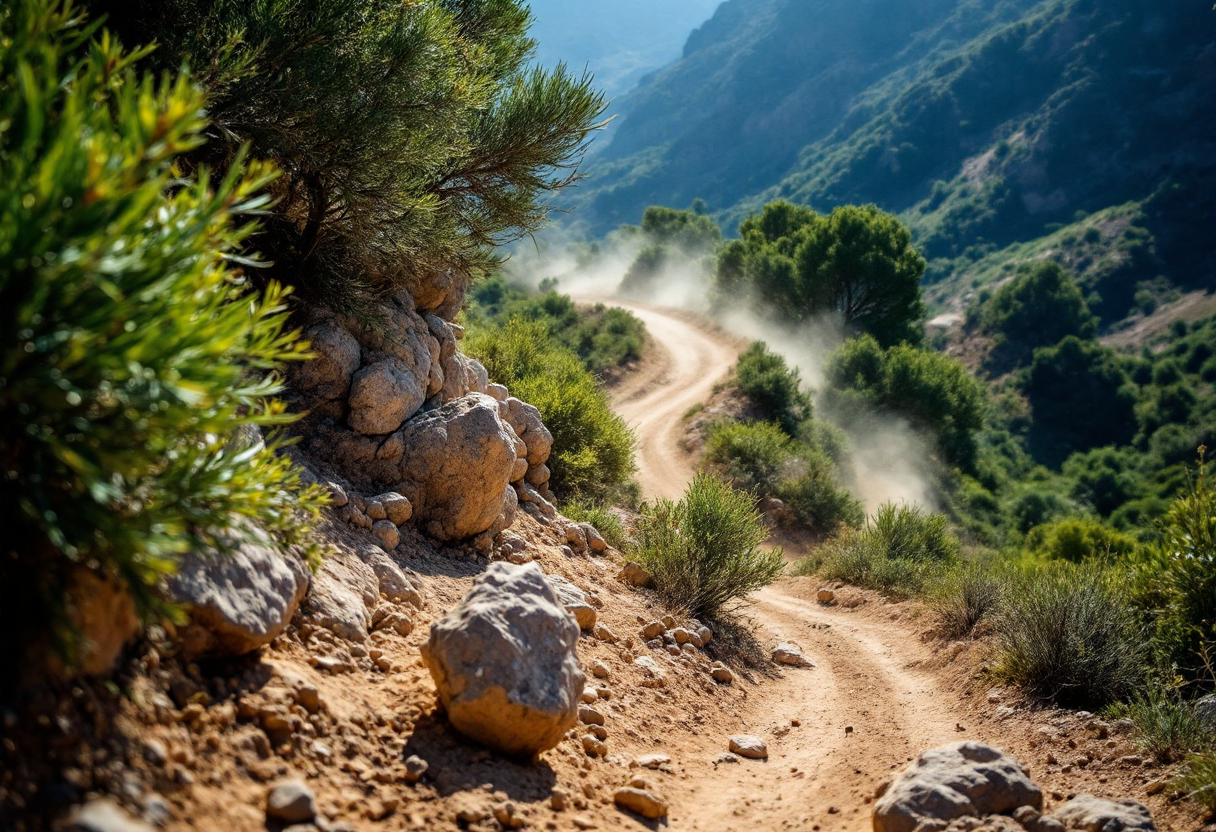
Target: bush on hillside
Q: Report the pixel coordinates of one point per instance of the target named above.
(899, 551)
(773, 386)
(131, 352)
(933, 391)
(752, 455)
(966, 597)
(1167, 726)
(1067, 635)
(1198, 779)
(703, 550)
(673, 241)
(1038, 308)
(592, 454)
(415, 138)
(811, 489)
(1078, 539)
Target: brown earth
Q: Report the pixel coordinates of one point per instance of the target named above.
(212, 739)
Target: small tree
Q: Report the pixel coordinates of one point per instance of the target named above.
(703, 550)
(1037, 308)
(857, 265)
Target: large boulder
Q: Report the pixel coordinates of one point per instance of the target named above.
(383, 395)
(456, 466)
(504, 662)
(237, 599)
(953, 781)
(328, 375)
(1095, 814)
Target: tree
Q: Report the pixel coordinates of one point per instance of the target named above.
(856, 265)
(132, 354)
(1039, 307)
(933, 391)
(1080, 398)
(672, 239)
(413, 137)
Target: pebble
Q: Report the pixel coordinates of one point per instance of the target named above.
(722, 673)
(653, 760)
(825, 596)
(415, 767)
(605, 634)
(749, 745)
(291, 802)
(594, 746)
(653, 630)
(644, 802)
(728, 758)
(155, 752)
(600, 670)
(588, 696)
(387, 533)
(375, 510)
(705, 634)
(668, 622)
(590, 716)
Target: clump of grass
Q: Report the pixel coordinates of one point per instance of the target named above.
(965, 597)
(1066, 635)
(1198, 779)
(1167, 726)
(703, 550)
(605, 521)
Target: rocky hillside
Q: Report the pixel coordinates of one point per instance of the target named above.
(984, 125)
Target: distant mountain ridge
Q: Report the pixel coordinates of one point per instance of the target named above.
(985, 123)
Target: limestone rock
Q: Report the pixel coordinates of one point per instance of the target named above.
(790, 654)
(750, 746)
(344, 592)
(595, 540)
(456, 467)
(1094, 814)
(388, 535)
(574, 600)
(328, 376)
(955, 780)
(102, 611)
(383, 395)
(396, 508)
(498, 392)
(102, 815)
(291, 802)
(644, 802)
(634, 574)
(722, 673)
(237, 600)
(653, 675)
(504, 662)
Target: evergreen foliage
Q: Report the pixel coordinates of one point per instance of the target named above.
(1038, 308)
(413, 137)
(672, 241)
(932, 390)
(703, 550)
(856, 266)
(773, 386)
(132, 353)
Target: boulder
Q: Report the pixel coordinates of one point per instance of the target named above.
(344, 593)
(504, 662)
(953, 781)
(328, 375)
(790, 654)
(1094, 814)
(456, 467)
(750, 746)
(634, 574)
(237, 599)
(595, 540)
(103, 612)
(574, 600)
(1205, 711)
(526, 421)
(291, 802)
(383, 395)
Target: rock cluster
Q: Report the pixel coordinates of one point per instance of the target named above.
(504, 662)
(683, 642)
(395, 408)
(969, 785)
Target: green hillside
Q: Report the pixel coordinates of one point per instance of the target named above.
(984, 125)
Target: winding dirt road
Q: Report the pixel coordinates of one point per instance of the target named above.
(834, 730)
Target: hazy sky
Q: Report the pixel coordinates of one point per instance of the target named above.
(618, 40)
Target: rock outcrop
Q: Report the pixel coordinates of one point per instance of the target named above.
(956, 780)
(504, 662)
(1095, 814)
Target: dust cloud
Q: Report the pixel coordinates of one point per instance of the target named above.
(891, 461)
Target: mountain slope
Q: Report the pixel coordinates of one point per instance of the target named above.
(985, 124)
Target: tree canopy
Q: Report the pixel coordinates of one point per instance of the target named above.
(413, 138)
(856, 264)
(671, 239)
(1038, 308)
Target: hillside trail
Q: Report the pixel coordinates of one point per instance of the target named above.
(835, 730)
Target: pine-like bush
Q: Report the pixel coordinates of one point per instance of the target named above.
(131, 351)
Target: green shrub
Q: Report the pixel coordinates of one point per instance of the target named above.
(751, 454)
(592, 452)
(605, 521)
(1077, 539)
(703, 550)
(1199, 779)
(1067, 635)
(773, 386)
(1037, 309)
(131, 355)
(965, 597)
(1166, 725)
(810, 489)
(905, 532)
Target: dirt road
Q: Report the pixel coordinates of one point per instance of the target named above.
(833, 730)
